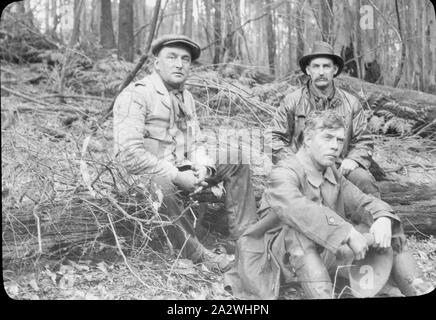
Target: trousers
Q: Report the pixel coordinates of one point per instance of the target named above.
(365, 181)
(239, 203)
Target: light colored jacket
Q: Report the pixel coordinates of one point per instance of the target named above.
(149, 136)
(288, 124)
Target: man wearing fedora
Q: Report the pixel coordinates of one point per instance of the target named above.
(157, 138)
(320, 93)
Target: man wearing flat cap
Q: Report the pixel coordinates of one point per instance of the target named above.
(320, 93)
(157, 138)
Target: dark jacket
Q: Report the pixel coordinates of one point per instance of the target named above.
(288, 124)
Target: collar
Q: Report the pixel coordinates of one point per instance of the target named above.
(314, 176)
(315, 93)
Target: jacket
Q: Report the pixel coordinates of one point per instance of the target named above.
(150, 137)
(324, 210)
(288, 124)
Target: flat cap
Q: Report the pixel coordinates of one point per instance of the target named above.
(170, 39)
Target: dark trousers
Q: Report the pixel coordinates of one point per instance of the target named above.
(364, 180)
(239, 204)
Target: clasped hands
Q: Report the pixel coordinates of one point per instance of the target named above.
(381, 230)
(192, 180)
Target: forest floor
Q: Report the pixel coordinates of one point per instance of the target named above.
(38, 145)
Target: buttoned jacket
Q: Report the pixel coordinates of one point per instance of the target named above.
(150, 136)
(323, 208)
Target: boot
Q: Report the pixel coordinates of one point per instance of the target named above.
(407, 275)
(313, 276)
(218, 262)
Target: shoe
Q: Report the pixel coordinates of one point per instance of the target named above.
(217, 262)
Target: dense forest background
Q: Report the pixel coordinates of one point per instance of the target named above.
(390, 42)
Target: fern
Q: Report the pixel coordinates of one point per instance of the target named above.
(398, 126)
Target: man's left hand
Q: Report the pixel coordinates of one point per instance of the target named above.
(347, 166)
(381, 229)
(201, 173)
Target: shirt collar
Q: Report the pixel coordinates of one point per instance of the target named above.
(315, 177)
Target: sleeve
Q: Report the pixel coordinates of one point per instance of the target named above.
(278, 136)
(319, 223)
(361, 144)
(129, 128)
(360, 203)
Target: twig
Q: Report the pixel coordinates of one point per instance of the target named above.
(177, 259)
(75, 97)
(423, 234)
(425, 128)
(124, 256)
(18, 94)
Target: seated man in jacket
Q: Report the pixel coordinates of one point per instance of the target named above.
(157, 137)
(306, 217)
(320, 93)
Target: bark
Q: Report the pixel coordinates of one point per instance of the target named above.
(217, 32)
(187, 27)
(125, 30)
(229, 44)
(271, 37)
(414, 204)
(107, 38)
(420, 106)
(78, 5)
(289, 38)
(403, 47)
(326, 14)
(300, 29)
(430, 35)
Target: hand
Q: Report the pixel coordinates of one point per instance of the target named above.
(381, 229)
(357, 243)
(201, 173)
(347, 166)
(186, 180)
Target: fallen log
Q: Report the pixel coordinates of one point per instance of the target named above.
(403, 103)
(414, 204)
(55, 229)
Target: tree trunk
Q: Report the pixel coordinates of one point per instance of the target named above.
(47, 16)
(125, 30)
(412, 104)
(289, 37)
(217, 32)
(65, 225)
(187, 27)
(430, 35)
(414, 204)
(229, 44)
(300, 29)
(326, 14)
(78, 5)
(271, 42)
(107, 39)
(357, 40)
(403, 47)
(54, 15)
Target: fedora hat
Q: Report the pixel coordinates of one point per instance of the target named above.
(321, 49)
(170, 39)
